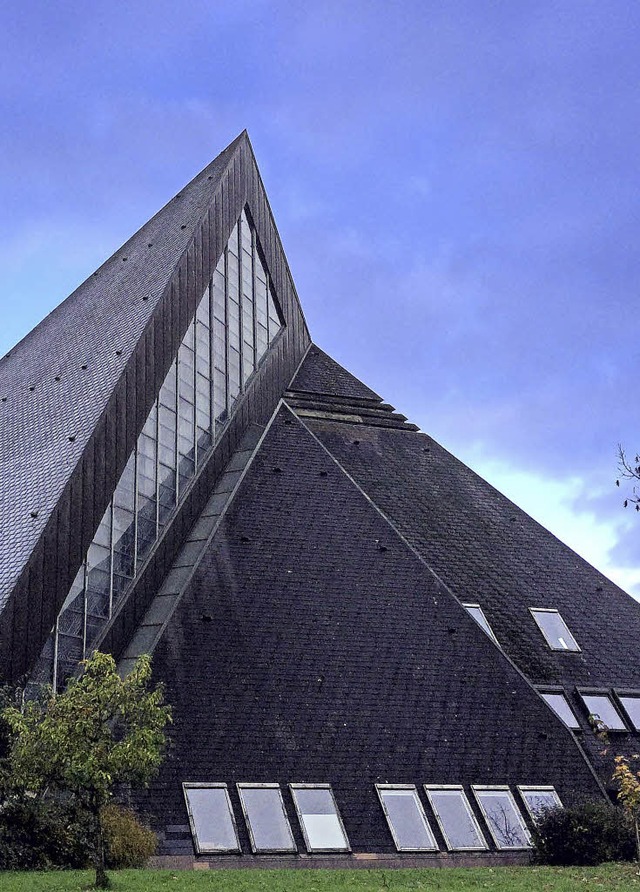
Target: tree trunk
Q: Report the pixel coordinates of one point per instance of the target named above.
(637, 829)
(102, 880)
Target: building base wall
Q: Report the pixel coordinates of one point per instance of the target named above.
(357, 861)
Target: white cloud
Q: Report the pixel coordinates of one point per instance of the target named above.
(558, 504)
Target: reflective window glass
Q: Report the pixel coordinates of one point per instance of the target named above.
(321, 825)
(211, 817)
(560, 705)
(235, 321)
(476, 611)
(539, 800)
(554, 629)
(503, 818)
(406, 819)
(632, 708)
(266, 818)
(601, 707)
(455, 818)
(273, 318)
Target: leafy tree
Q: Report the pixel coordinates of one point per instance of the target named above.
(102, 731)
(628, 783)
(629, 470)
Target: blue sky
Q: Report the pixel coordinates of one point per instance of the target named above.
(456, 185)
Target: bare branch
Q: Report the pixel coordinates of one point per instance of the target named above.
(629, 470)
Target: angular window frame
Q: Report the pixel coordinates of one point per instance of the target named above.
(484, 623)
(303, 828)
(478, 790)
(169, 452)
(254, 848)
(381, 789)
(560, 692)
(535, 788)
(429, 788)
(622, 694)
(606, 694)
(566, 650)
(193, 785)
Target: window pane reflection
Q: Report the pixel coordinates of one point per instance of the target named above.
(235, 322)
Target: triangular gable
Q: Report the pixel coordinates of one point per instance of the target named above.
(322, 375)
(236, 323)
(80, 387)
(322, 646)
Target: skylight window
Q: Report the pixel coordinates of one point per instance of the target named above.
(554, 629)
(631, 705)
(503, 818)
(476, 611)
(406, 818)
(213, 825)
(318, 814)
(560, 705)
(267, 822)
(601, 707)
(455, 817)
(539, 800)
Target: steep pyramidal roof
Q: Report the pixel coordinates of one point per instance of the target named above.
(334, 654)
(56, 383)
(331, 597)
(77, 390)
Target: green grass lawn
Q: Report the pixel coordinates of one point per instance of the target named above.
(609, 878)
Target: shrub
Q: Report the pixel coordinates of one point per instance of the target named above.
(586, 834)
(128, 843)
(36, 834)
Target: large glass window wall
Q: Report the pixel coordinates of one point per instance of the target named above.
(234, 325)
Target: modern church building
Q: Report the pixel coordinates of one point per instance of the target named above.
(370, 652)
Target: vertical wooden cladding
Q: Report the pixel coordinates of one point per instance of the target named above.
(203, 255)
(6, 638)
(150, 365)
(37, 592)
(40, 591)
(87, 527)
(99, 479)
(18, 616)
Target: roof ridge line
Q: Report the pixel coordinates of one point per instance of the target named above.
(232, 146)
(245, 133)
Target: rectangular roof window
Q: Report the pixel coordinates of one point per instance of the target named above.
(406, 818)
(538, 800)
(318, 814)
(503, 818)
(213, 825)
(455, 817)
(631, 705)
(554, 629)
(560, 705)
(476, 611)
(267, 821)
(601, 707)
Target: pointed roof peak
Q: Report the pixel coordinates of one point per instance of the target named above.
(320, 373)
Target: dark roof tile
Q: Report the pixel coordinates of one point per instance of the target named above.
(321, 374)
(98, 326)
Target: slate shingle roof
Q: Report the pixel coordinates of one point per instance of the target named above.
(56, 382)
(320, 374)
(488, 550)
(322, 638)
(334, 655)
